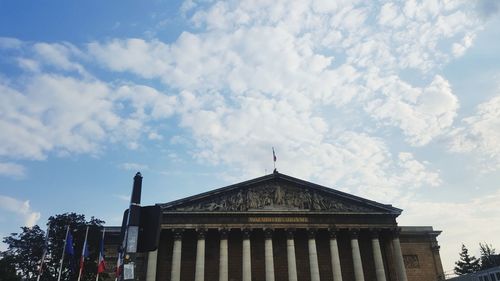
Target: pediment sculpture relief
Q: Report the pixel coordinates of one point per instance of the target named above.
(272, 196)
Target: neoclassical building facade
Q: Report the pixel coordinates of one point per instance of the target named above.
(280, 228)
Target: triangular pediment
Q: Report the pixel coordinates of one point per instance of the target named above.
(277, 192)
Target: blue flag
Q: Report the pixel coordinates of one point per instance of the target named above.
(69, 245)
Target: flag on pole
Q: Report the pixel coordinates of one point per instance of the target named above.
(274, 155)
(101, 264)
(118, 269)
(44, 253)
(85, 253)
(69, 244)
(67, 249)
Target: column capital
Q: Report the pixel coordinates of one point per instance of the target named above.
(268, 233)
(395, 232)
(201, 233)
(223, 232)
(354, 233)
(177, 233)
(290, 233)
(333, 232)
(311, 233)
(375, 233)
(246, 233)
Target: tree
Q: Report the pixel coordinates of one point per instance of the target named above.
(466, 264)
(77, 224)
(488, 257)
(8, 268)
(26, 248)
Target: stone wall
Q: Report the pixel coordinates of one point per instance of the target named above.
(421, 256)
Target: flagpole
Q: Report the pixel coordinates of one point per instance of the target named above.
(99, 257)
(82, 258)
(64, 250)
(40, 271)
(118, 263)
(274, 159)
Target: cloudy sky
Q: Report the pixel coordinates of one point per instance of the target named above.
(398, 102)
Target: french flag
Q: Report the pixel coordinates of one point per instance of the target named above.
(85, 253)
(101, 264)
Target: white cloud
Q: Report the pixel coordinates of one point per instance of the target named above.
(59, 55)
(134, 55)
(29, 64)
(66, 115)
(312, 148)
(133, 167)
(10, 43)
(289, 51)
(123, 197)
(459, 49)
(20, 208)
(256, 74)
(54, 113)
(422, 113)
(479, 134)
(12, 170)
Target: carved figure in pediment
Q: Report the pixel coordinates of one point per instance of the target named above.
(252, 200)
(279, 195)
(272, 195)
(317, 202)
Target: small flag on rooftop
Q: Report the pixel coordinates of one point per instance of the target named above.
(274, 160)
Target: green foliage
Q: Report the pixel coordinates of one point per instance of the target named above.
(467, 263)
(8, 268)
(26, 248)
(488, 257)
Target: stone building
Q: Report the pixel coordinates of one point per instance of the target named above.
(280, 228)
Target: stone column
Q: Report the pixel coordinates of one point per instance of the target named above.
(269, 256)
(290, 253)
(247, 263)
(223, 261)
(398, 256)
(151, 269)
(334, 252)
(175, 274)
(377, 256)
(356, 256)
(199, 274)
(313, 255)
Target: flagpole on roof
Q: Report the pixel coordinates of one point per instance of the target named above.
(42, 260)
(62, 257)
(274, 160)
(101, 255)
(84, 249)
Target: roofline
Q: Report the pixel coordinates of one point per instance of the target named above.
(419, 230)
(277, 175)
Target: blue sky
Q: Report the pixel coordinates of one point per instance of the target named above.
(398, 102)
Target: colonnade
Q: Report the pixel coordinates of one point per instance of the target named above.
(291, 257)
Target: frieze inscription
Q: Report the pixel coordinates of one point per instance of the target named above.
(277, 220)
